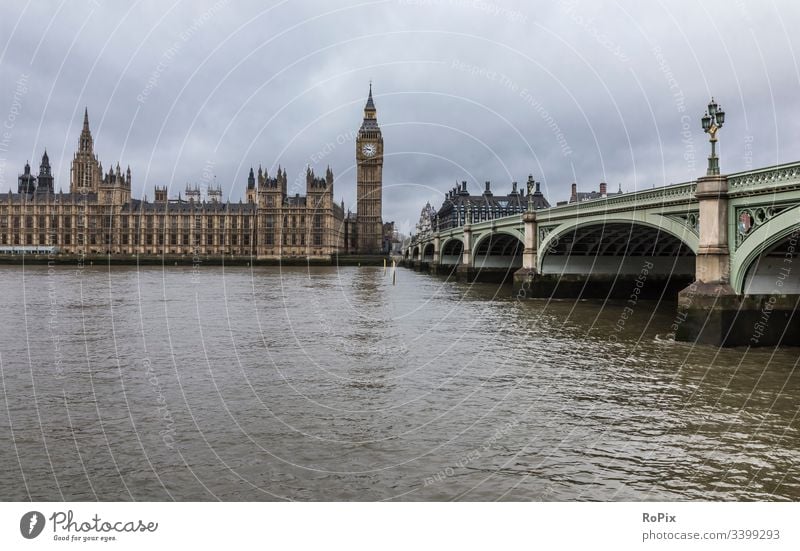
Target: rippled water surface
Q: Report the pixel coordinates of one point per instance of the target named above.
(333, 384)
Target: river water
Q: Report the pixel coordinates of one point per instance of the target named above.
(329, 383)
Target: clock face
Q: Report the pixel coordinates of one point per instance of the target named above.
(369, 149)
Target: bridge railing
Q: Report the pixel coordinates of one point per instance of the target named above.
(780, 175)
(667, 194)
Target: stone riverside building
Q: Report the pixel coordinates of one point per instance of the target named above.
(99, 216)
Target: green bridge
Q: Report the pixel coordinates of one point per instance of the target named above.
(724, 245)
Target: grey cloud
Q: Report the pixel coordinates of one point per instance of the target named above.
(466, 90)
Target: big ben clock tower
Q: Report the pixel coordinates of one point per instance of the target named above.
(369, 158)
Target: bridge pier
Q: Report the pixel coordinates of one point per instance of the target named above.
(525, 278)
(465, 270)
(710, 311)
(434, 265)
(707, 308)
(713, 257)
(715, 315)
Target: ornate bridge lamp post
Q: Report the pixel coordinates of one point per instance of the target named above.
(710, 303)
(712, 122)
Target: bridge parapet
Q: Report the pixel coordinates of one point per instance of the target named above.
(673, 194)
(786, 176)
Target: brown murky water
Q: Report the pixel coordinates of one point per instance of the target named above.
(332, 384)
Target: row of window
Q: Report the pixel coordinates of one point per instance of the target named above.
(153, 221)
(159, 239)
(125, 239)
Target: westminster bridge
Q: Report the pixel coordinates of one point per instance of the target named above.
(724, 245)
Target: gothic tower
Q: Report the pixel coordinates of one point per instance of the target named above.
(44, 182)
(26, 181)
(86, 172)
(369, 159)
(252, 190)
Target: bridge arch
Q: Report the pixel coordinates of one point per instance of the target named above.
(498, 249)
(427, 253)
(619, 244)
(756, 264)
(451, 252)
(415, 253)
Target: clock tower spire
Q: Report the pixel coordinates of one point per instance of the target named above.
(369, 181)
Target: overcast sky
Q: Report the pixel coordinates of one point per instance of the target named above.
(475, 90)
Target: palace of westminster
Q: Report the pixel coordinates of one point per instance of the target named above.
(99, 216)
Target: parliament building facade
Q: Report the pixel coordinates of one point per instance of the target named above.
(99, 216)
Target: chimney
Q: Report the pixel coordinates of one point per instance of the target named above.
(574, 191)
(513, 187)
(464, 186)
(603, 189)
(537, 187)
(488, 188)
